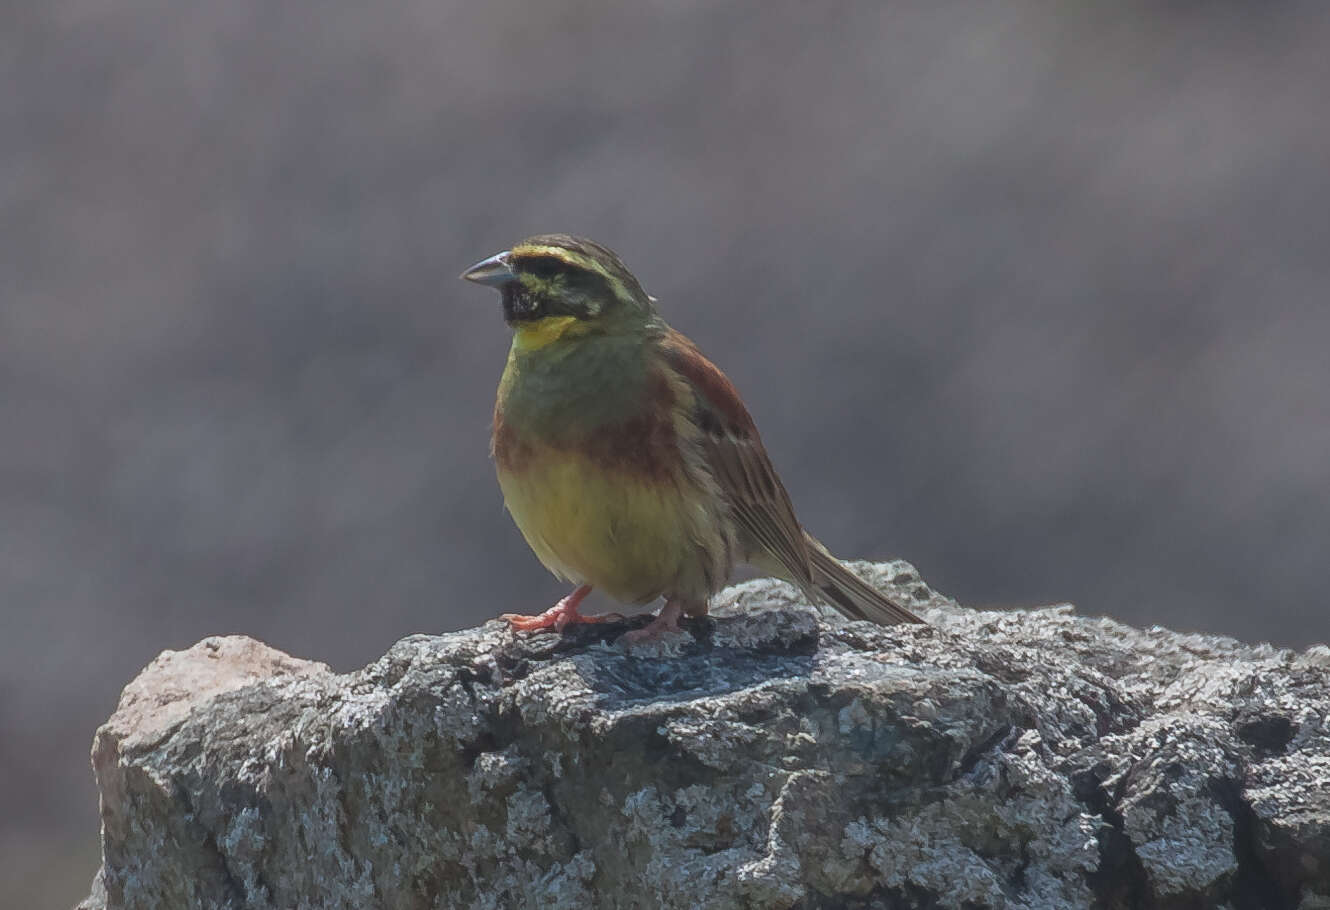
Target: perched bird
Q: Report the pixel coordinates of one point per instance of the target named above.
(627, 459)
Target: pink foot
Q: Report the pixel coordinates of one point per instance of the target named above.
(664, 624)
(562, 614)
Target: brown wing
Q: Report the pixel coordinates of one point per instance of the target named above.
(734, 453)
(757, 499)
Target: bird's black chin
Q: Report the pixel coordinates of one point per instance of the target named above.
(518, 306)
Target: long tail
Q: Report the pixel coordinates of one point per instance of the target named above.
(849, 593)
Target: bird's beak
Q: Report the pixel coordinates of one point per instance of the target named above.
(493, 271)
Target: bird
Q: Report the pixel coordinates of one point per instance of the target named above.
(627, 459)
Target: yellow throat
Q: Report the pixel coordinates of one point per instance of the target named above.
(532, 336)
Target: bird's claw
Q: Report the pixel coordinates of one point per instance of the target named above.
(666, 623)
(559, 616)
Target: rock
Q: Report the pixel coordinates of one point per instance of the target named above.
(773, 756)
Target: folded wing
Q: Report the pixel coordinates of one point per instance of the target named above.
(757, 499)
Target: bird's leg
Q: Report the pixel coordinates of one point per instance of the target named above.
(665, 623)
(564, 613)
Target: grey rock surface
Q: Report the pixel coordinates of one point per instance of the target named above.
(772, 756)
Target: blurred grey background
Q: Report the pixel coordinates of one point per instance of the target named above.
(1033, 295)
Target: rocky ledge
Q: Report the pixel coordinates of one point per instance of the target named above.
(773, 756)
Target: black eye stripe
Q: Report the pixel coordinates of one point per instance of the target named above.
(550, 284)
(544, 266)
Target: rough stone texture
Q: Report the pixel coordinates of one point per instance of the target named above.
(772, 757)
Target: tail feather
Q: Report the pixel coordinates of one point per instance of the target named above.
(849, 593)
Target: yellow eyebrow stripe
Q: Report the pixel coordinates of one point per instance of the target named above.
(557, 252)
(576, 260)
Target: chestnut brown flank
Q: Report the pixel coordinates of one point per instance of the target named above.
(642, 445)
(508, 450)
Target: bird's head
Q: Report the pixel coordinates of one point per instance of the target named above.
(556, 283)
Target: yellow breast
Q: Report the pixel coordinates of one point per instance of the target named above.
(635, 538)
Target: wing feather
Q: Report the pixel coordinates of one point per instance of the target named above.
(757, 499)
(738, 461)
